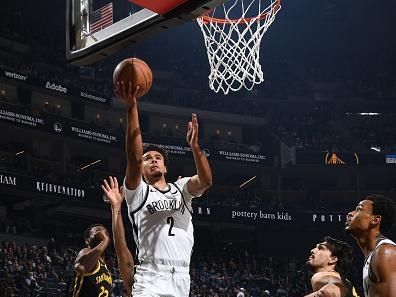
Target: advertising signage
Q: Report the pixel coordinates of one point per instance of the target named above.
(54, 86)
(36, 185)
(224, 214)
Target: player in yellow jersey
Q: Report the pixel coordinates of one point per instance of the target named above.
(92, 278)
(330, 261)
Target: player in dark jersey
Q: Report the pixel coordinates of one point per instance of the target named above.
(92, 278)
(329, 261)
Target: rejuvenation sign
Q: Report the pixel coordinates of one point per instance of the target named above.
(31, 185)
(59, 189)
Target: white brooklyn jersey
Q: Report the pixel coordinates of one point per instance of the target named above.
(368, 276)
(161, 222)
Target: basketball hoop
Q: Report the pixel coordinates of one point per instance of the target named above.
(232, 34)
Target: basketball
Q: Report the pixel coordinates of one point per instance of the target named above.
(135, 71)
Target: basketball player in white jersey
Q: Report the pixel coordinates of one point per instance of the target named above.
(160, 212)
(368, 223)
(330, 261)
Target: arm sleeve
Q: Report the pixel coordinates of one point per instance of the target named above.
(182, 185)
(135, 198)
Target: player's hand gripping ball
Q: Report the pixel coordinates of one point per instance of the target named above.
(133, 71)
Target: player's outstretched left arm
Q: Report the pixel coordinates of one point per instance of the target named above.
(384, 267)
(202, 181)
(124, 256)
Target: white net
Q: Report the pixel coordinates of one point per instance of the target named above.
(233, 43)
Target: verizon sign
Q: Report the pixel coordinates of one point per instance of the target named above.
(14, 75)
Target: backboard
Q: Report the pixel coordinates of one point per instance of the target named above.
(96, 29)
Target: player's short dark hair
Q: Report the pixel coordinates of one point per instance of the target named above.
(152, 147)
(386, 208)
(343, 252)
(88, 230)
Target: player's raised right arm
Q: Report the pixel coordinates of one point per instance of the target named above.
(133, 143)
(124, 256)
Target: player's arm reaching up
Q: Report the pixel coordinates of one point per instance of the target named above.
(202, 181)
(124, 256)
(87, 258)
(134, 144)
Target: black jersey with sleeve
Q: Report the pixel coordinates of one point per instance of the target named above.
(98, 283)
(351, 289)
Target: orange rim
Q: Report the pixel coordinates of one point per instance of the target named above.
(207, 19)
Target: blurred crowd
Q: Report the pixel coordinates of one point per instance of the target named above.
(29, 270)
(322, 130)
(243, 275)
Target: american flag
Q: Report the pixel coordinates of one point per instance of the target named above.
(102, 18)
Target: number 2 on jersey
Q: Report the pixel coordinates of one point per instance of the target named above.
(170, 221)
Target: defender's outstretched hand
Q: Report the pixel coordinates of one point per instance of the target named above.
(112, 191)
